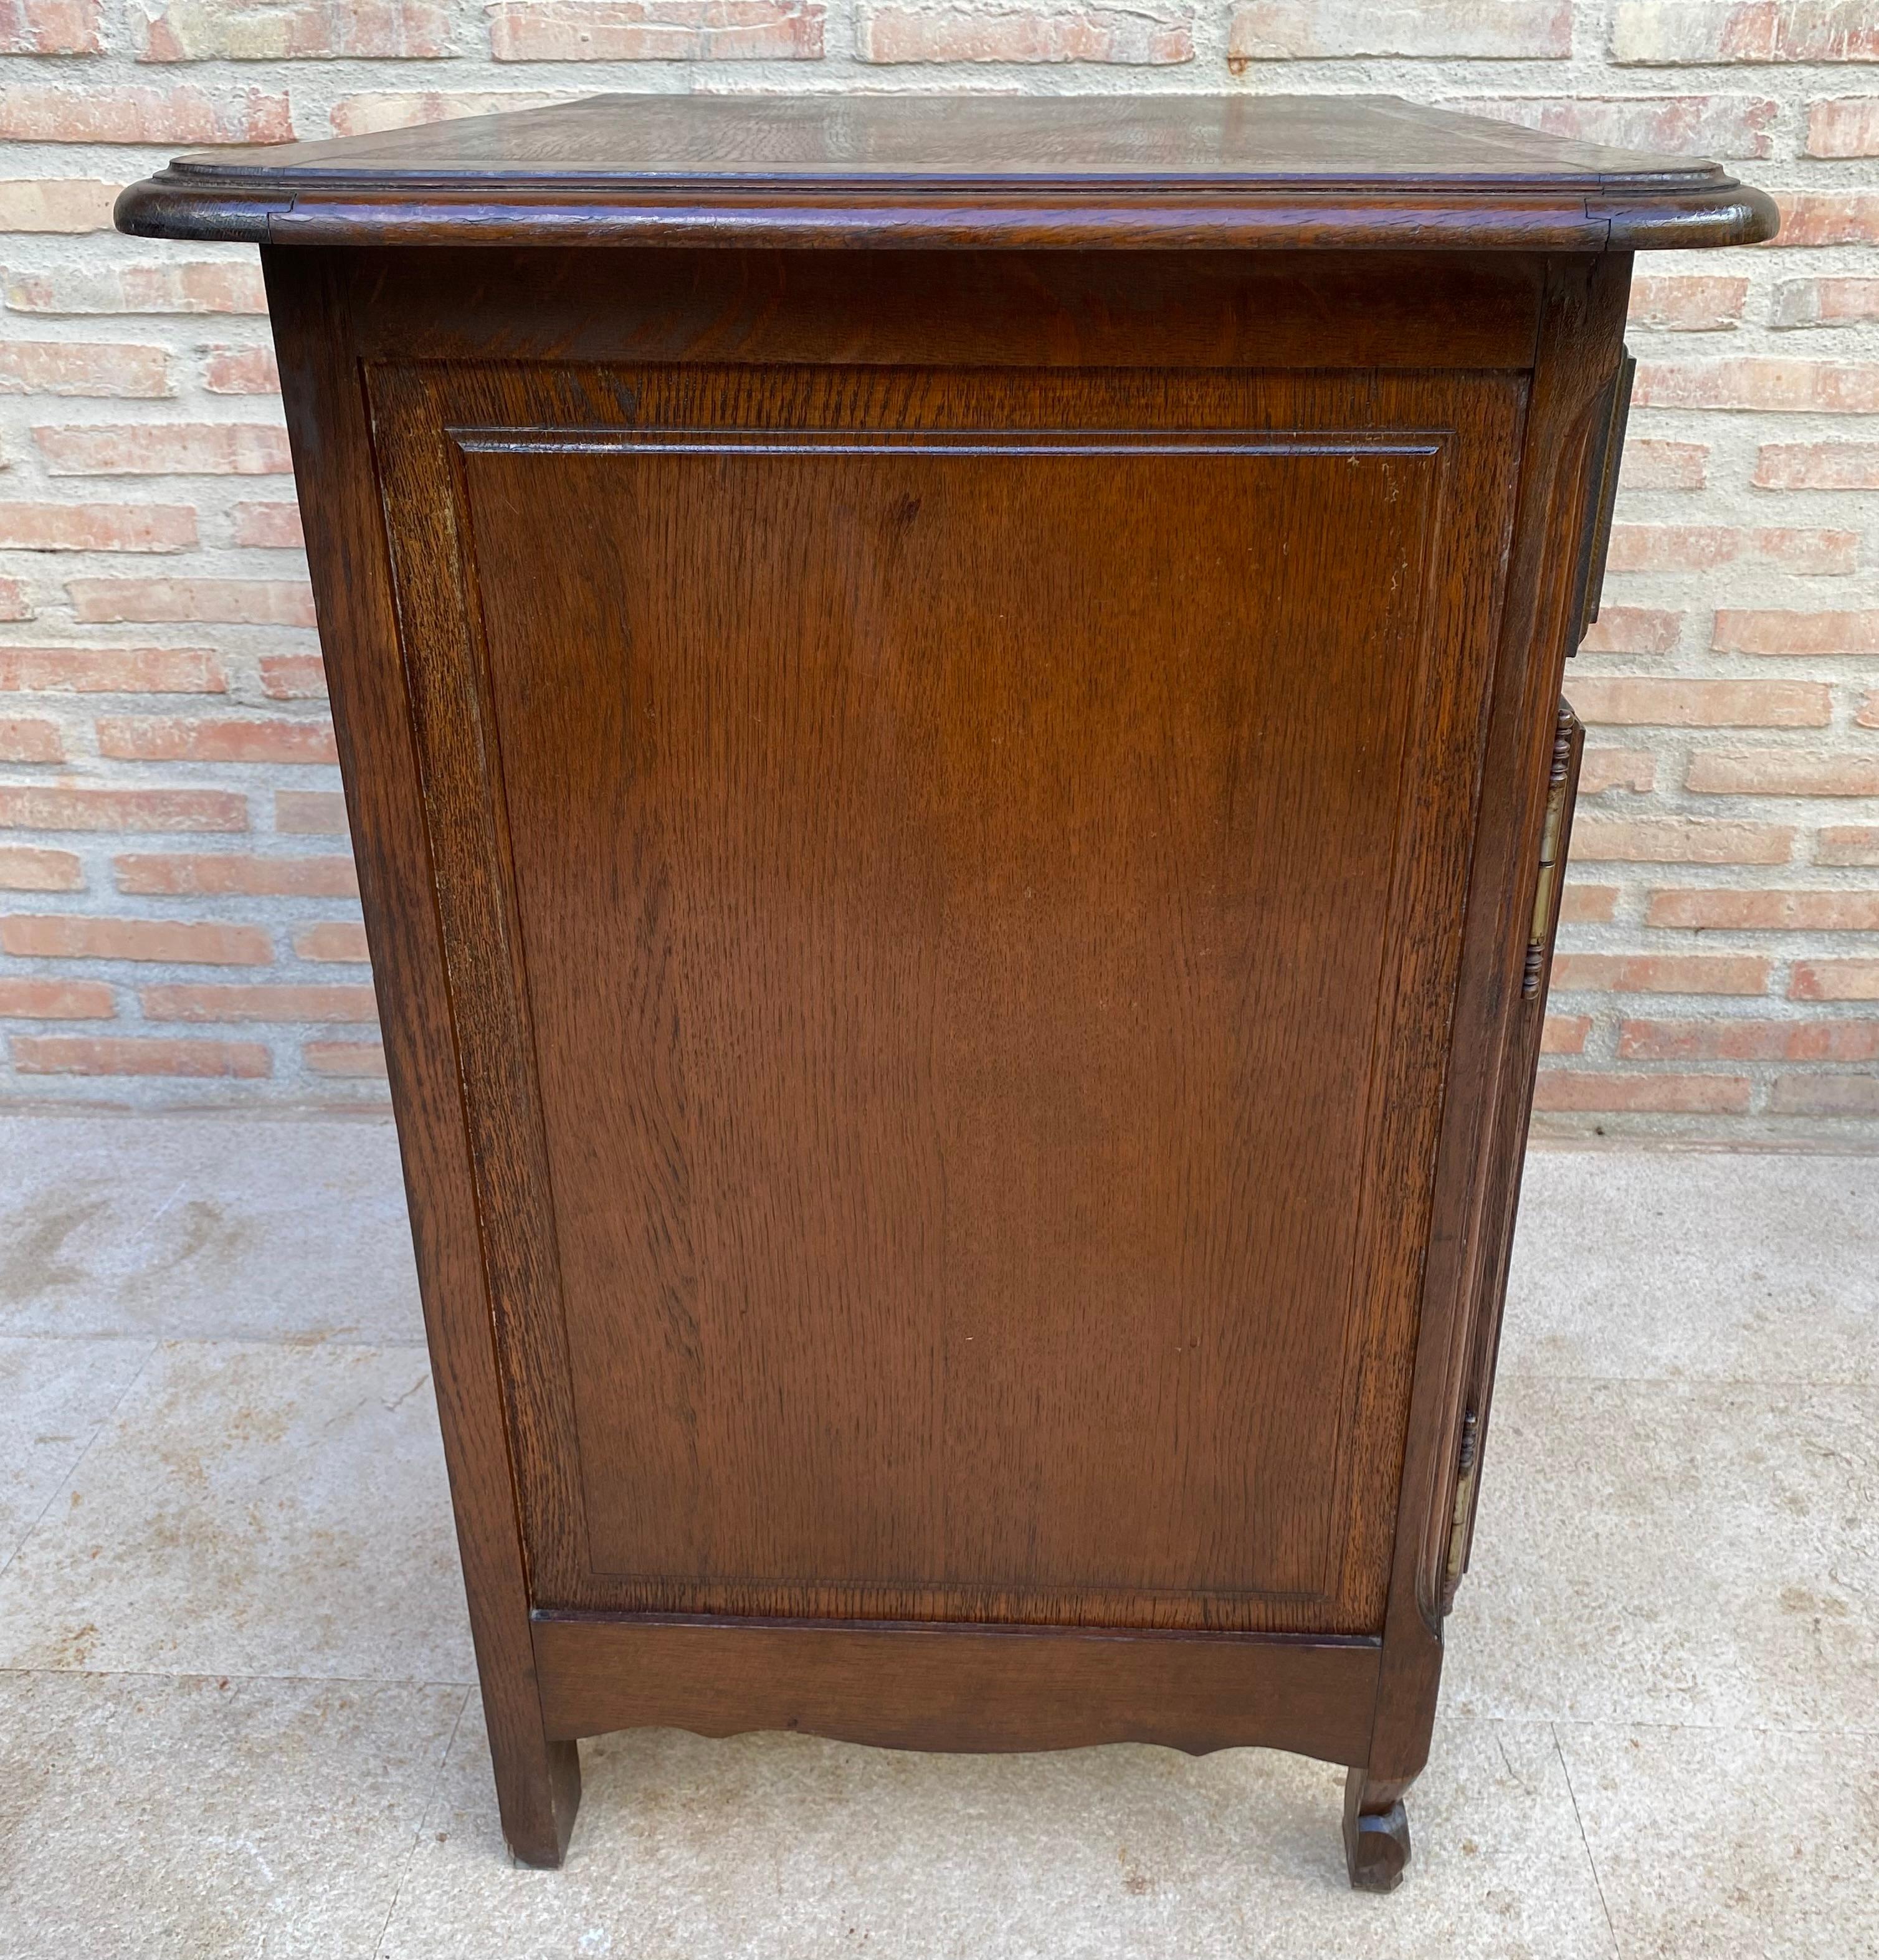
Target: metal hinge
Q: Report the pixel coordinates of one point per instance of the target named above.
(1558, 784)
(1464, 1505)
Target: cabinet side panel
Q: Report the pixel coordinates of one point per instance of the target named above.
(981, 952)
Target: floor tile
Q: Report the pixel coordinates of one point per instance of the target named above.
(1674, 1552)
(206, 1227)
(1719, 1844)
(781, 1846)
(1640, 1264)
(190, 1819)
(252, 1509)
(54, 1397)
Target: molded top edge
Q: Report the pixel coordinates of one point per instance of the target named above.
(956, 170)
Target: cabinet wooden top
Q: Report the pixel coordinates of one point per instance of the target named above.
(1142, 171)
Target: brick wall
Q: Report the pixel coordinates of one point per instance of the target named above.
(177, 918)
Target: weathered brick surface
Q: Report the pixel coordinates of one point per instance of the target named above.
(542, 31)
(1847, 126)
(51, 27)
(1816, 466)
(1830, 302)
(186, 30)
(167, 778)
(1300, 29)
(1144, 37)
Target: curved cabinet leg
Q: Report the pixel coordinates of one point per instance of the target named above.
(1376, 1833)
(538, 1790)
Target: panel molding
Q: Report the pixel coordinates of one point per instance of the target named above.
(449, 680)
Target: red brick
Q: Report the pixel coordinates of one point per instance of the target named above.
(1817, 465)
(293, 676)
(1848, 844)
(51, 27)
(1761, 384)
(56, 204)
(179, 1003)
(1703, 704)
(1868, 714)
(1587, 905)
(179, 113)
(1617, 769)
(1688, 303)
(338, 939)
(1847, 127)
(368, 114)
(1632, 629)
(1704, 547)
(1802, 635)
(1649, 464)
(24, 868)
(1565, 1034)
(239, 602)
(220, 874)
(25, 740)
(1669, 1095)
(1835, 980)
(14, 603)
(1669, 32)
(1748, 1041)
(1307, 30)
(169, 738)
(1835, 302)
(110, 527)
(1825, 1096)
(128, 1054)
(1679, 840)
(1017, 33)
(1829, 217)
(532, 30)
(242, 370)
(310, 813)
(217, 285)
(1766, 912)
(187, 942)
(275, 526)
(345, 1058)
(57, 1000)
(31, 807)
(1701, 125)
(1660, 973)
(1781, 772)
(165, 449)
(111, 670)
(186, 30)
(83, 368)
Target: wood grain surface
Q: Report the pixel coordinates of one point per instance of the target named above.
(1331, 172)
(950, 844)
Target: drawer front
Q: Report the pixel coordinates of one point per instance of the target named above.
(952, 962)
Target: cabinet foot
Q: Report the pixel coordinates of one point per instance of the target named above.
(1376, 1833)
(537, 1801)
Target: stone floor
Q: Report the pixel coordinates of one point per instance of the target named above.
(235, 1710)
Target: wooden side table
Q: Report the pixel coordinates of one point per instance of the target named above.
(950, 710)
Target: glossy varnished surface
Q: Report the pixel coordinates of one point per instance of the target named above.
(829, 169)
(1218, 141)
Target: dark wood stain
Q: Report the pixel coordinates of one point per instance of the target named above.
(952, 842)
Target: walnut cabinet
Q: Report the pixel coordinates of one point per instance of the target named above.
(951, 716)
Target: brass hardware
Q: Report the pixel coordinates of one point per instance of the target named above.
(1552, 839)
(1464, 1507)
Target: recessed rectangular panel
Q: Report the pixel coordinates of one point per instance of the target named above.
(925, 854)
